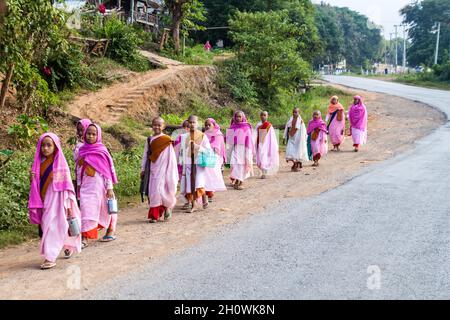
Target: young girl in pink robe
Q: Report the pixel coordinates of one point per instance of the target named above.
(336, 122)
(213, 176)
(357, 116)
(52, 200)
(163, 178)
(267, 157)
(240, 148)
(95, 181)
(317, 137)
(81, 128)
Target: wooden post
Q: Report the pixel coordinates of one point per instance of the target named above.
(5, 85)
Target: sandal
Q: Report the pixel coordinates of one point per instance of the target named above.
(108, 238)
(205, 205)
(84, 245)
(152, 221)
(48, 265)
(167, 214)
(185, 206)
(68, 253)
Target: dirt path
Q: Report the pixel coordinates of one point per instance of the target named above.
(108, 104)
(394, 124)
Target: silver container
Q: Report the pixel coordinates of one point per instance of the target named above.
(74, 227)
(113, 207)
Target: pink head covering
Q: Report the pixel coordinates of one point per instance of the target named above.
(98, 156)
(240, 125)
(85, 124)
(318, 123)
(240, 133)
(216, 139)
(61, 177)
(358, 115)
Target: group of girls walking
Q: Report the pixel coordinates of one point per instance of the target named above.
(192, 159)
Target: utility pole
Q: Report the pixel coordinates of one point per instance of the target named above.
(404, 48)
(390, 47)
(396, 47)
(437, 43)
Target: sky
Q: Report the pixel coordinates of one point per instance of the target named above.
(382, 12)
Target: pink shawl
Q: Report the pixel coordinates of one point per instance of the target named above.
(216, 139)
(358, 115)
(314, 124)
(240, 133)
(98, 156)
(61, 178)
(85, 123)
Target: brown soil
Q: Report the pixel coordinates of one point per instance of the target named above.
(140, 97)
(394, 125)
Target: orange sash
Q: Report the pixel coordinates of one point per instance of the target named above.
(315, 134)
(48, 180)
(158, 145)
(340, 115)
(88, 169)
(265, 126)
(293, 129)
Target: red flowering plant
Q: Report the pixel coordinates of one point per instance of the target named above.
(47, 71)
(101, 8)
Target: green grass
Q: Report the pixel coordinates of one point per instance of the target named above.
(18, 235)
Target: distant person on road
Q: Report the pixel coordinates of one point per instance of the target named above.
(159, 173)
(52, 201)
(240, 149)
(335, 122)
(207, 46)
(317, 138)
(95, 182)
(358, 122)
(296, 139)
(214, 176)
(189, 151)
(267, 156)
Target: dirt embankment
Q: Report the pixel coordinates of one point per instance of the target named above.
(141, 96)
(394, 125)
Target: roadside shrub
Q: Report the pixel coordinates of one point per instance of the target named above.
(442, 71)
(234, 78)
(124, 42)
(27, 129)
(14, 188)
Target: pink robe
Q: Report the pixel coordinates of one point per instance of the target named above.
(240, 156)
(162, 185)
(213, 176)
(336, 130)
(54, 225)
(93, 203)
(267, 157)
(320, 145)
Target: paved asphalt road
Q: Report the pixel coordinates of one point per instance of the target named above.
(383, 235)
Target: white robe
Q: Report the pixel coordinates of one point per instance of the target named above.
(297, 148)
(185, 159)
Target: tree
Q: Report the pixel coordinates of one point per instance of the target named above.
(187, 13)
(30, 30)
(347, 34)
(421, 17)
(267, 45)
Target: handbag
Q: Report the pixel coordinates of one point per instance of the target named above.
(207, 159)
